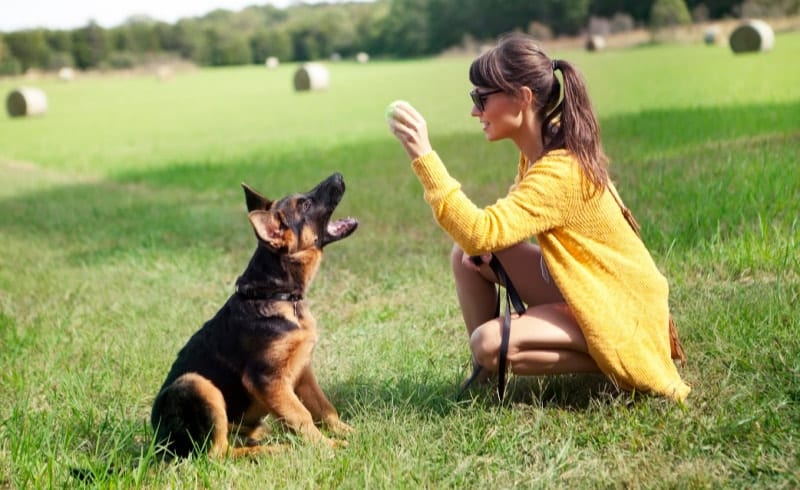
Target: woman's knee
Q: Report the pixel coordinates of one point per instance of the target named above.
(455, 258)
(485, 344)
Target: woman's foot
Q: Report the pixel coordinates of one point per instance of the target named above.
(479, 377)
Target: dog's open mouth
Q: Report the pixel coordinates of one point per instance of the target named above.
(340, 228)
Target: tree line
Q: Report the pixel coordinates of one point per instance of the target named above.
(382, 28)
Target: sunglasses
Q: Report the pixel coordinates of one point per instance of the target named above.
(479, 98)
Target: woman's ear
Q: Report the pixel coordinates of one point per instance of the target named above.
(526, 96)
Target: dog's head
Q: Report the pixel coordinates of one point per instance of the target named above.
(299, 222)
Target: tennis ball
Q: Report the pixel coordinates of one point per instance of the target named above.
(390, 108)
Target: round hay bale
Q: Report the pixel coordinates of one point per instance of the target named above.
(362, 57)
(595, 43)
(272, 62)
(311, 76)
(711, 35)
(66, 73)
(26, 101)
(752, 36)
(164, 73)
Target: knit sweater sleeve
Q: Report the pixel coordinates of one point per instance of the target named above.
(540, 200)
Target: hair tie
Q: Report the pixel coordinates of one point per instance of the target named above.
(555, 64)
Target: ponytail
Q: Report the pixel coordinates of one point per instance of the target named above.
(572, 125)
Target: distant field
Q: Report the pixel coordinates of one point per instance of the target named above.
(123, 228)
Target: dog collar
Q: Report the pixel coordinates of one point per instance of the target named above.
(256, 292)
(266, 294)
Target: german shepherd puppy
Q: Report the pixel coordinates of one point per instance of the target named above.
(253, 358)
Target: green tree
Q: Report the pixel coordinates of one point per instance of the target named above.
(569, 16)
(769, 8)
(60, 41)
(716, 8)
(166, 36)
(638, 9)
(338, 32)
(188, 40)
(89, 46)
(320, 30)
(225, 47)
(367, 20)
(8, 64)
(406, 28)
(667, 13)
(29, 48)
(271, 42)
(305, 45)
(138, 35)
(459, 22)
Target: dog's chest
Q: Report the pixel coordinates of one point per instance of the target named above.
(307, 321)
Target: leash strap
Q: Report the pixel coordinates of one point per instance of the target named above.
(511, 292)
(512, 299)
(476, 371)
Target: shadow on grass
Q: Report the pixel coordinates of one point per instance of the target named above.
(440, 399)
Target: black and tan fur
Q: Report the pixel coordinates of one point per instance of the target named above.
(253, 358)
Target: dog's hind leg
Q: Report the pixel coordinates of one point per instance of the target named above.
(314, 399)
(189, 415)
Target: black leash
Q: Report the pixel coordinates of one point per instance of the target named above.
(512, 299)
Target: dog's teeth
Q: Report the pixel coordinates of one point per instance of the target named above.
(339, 227)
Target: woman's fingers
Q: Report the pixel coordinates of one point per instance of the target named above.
(409, 127)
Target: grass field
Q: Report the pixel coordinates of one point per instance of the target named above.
(123, 228)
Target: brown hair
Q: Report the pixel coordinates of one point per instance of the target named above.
(569, 122)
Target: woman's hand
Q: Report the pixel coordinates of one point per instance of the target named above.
(410, 128)
(468, 262)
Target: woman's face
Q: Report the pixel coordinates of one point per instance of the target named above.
(501, 117)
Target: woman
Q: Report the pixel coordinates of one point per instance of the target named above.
(595, 299)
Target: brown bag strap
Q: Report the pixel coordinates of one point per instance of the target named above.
(625, 211)
(675, 346)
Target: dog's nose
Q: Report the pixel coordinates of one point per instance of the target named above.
(337, 178)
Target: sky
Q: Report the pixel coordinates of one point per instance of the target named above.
(70, 14)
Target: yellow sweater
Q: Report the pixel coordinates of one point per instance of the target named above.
(604, 271)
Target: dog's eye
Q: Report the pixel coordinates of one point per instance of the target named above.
(304, 205)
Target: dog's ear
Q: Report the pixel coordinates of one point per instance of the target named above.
(268, 229)
(255, 201)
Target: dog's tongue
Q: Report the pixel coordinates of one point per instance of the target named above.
(342, 227)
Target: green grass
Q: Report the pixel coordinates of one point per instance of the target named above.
(123, 228)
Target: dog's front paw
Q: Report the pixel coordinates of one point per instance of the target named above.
(336, 426)
(335, 443)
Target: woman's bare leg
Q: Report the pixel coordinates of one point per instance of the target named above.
(546, 339)
(477, 293)
(476, 289)
(523, 265)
